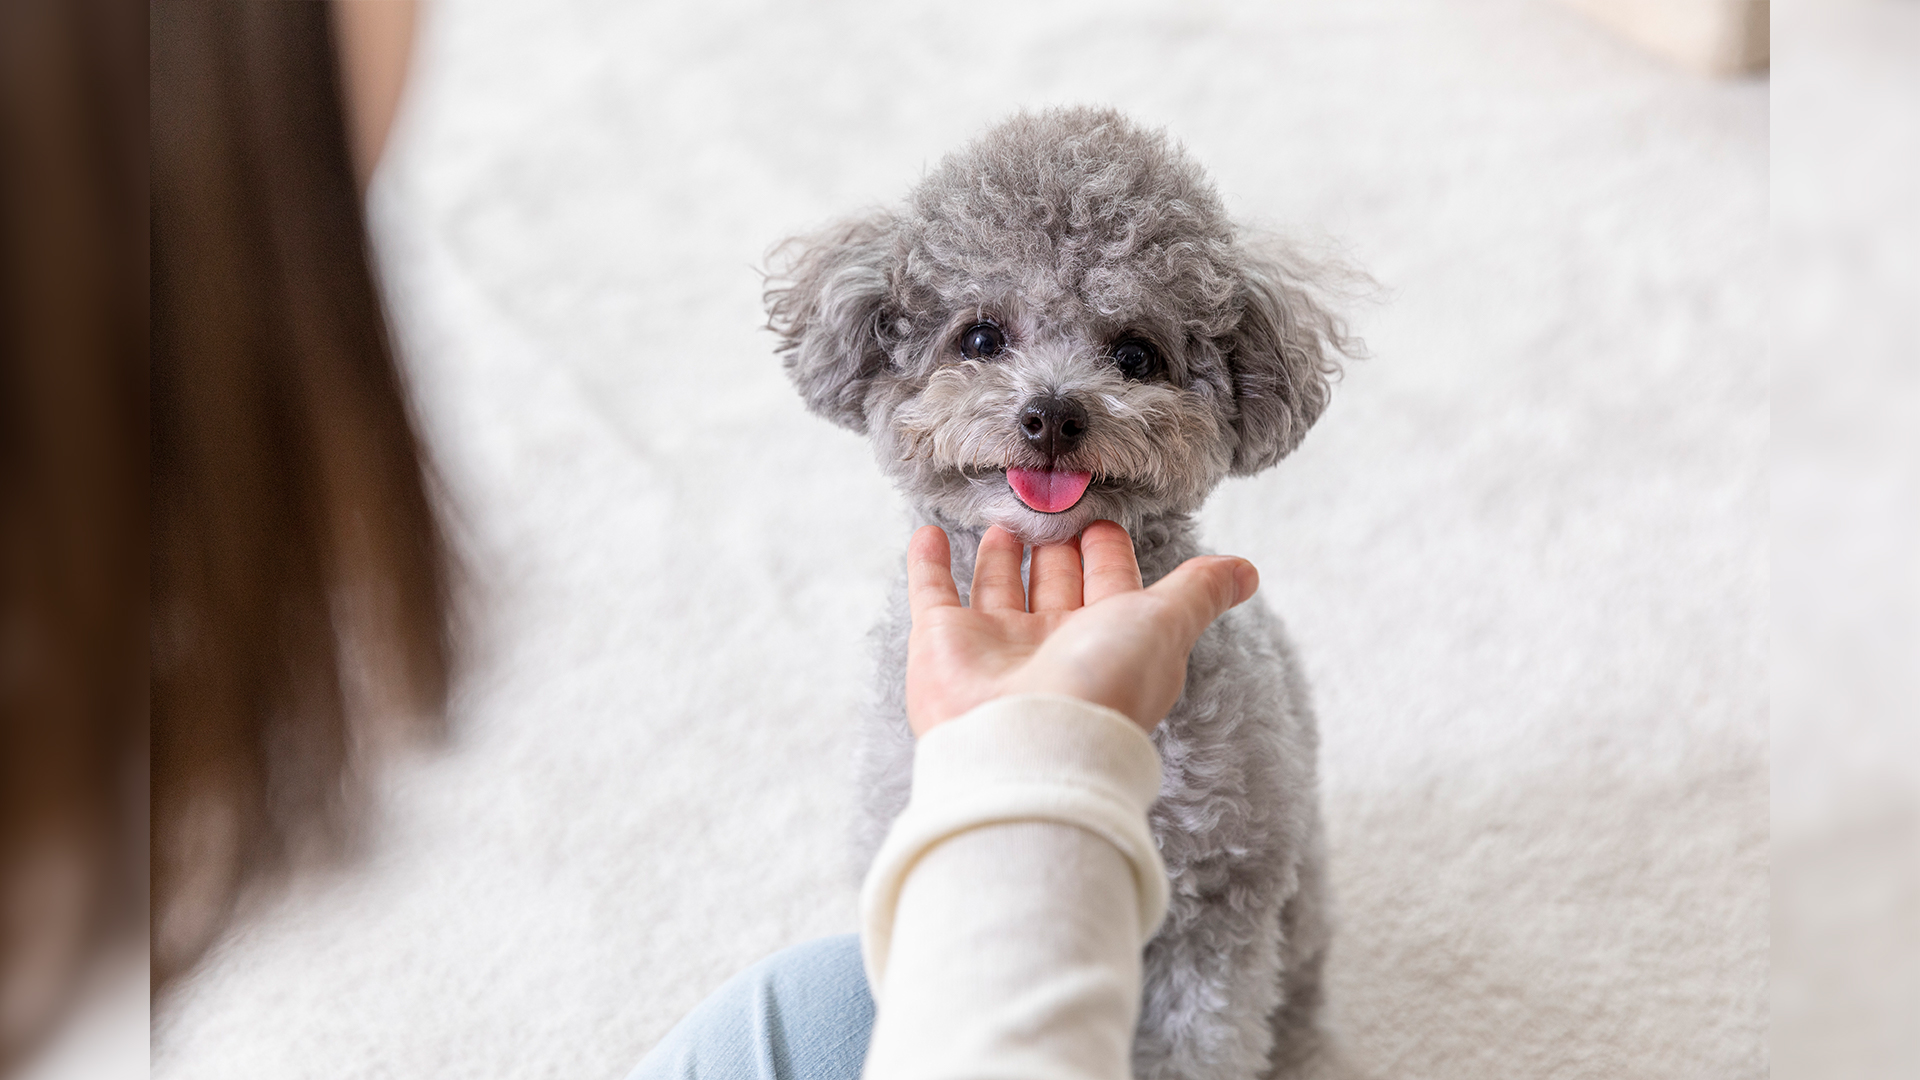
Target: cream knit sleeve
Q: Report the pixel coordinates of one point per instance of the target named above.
(1002, 921)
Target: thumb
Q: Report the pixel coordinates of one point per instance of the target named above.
(1204, 588)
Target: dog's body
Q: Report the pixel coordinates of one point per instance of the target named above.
(1059, 327)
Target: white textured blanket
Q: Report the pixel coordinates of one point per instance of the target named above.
(1523, 554)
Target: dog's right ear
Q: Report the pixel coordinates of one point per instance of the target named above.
(826, 297)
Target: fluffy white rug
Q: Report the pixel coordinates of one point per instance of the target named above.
(1524, 553)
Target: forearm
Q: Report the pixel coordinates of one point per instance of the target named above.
(1004, 918)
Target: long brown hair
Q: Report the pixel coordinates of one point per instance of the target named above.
(73, 312)
(299, 576)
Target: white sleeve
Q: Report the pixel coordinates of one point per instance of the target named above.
(1003, 920)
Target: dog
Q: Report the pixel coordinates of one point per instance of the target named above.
(1061, 324)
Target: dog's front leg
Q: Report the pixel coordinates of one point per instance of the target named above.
(1212, 981)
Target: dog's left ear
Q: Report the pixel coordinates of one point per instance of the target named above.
(1281, 356)
(828, 303)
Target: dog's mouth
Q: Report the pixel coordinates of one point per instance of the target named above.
(1049, 491)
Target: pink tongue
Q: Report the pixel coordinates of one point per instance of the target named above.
(1048, 491)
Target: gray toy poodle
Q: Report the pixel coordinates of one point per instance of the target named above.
(1061, 325)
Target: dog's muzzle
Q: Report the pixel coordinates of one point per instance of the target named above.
(1054, 426)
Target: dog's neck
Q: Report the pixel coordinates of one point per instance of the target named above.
(1159, 543)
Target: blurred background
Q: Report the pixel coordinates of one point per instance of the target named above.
(1846, 540)
(520, 780)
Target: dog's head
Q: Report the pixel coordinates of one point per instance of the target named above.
(1058, 326)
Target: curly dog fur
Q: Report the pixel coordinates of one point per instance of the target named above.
(1067, 295)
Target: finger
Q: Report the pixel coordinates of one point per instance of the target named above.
(1054, 577)
(1111, 569)
(996, 573)
(930, 572)
(1202, 589)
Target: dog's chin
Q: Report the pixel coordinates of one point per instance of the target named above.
(1033, 528)
(977, 498)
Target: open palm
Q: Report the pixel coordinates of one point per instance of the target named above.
(1088, 629)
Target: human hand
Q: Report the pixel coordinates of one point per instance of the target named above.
(1090, 632)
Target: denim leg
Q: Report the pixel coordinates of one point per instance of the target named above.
(803, 1013)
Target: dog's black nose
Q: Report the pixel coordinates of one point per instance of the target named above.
(1054, 425)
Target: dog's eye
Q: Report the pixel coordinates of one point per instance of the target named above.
(982, 340)
(1136, 359)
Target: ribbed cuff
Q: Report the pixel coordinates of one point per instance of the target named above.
(1030, 757)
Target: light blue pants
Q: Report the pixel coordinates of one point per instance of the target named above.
(803, 1013)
